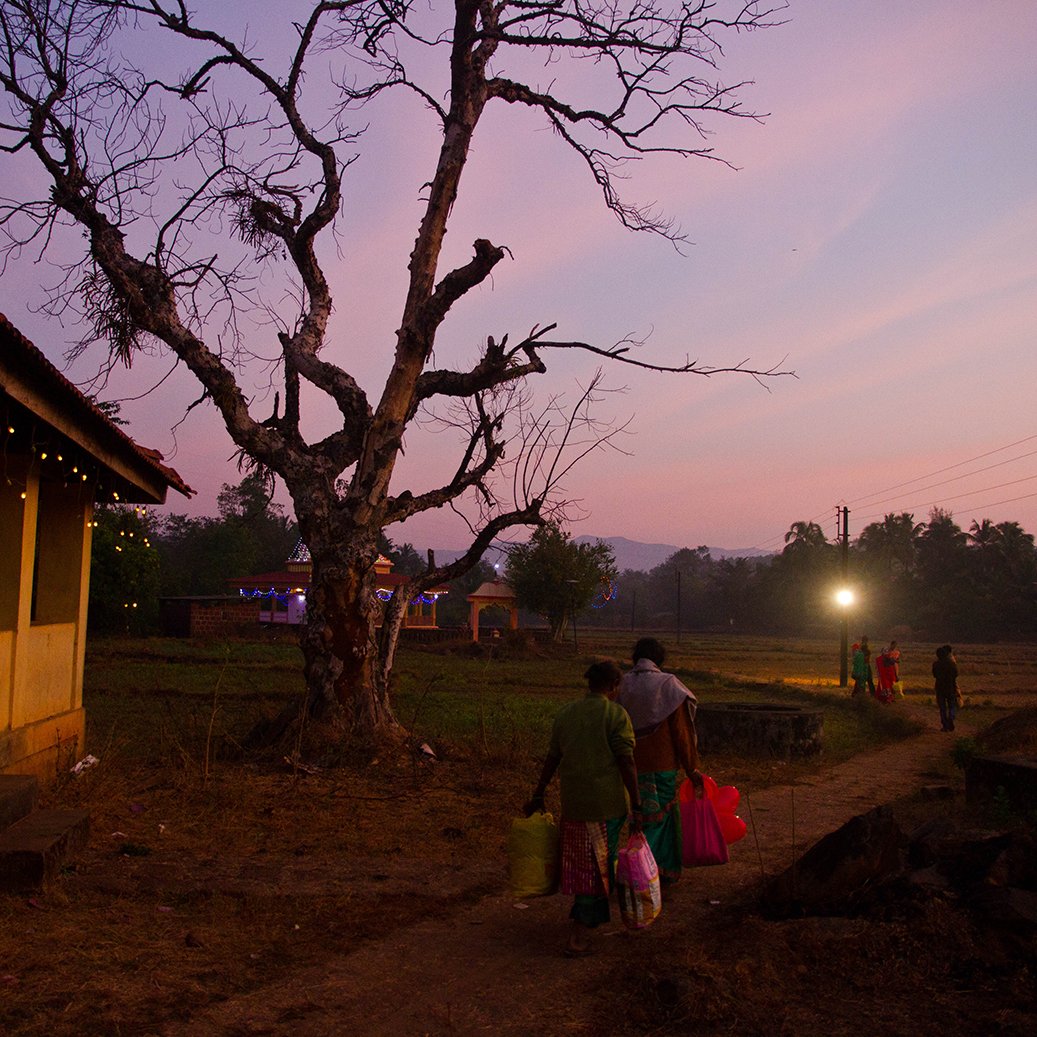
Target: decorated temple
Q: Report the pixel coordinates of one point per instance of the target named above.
(282, 594)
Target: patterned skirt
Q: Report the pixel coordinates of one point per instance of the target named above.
(589, 851)
(660, 812)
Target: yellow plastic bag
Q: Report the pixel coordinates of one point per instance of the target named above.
(898, 689)
(533, 856)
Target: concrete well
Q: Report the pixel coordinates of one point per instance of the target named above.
(782, 732)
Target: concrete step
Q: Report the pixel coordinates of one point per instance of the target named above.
(17, 797)
(33, 850)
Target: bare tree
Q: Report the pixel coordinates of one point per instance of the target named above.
(152, 166)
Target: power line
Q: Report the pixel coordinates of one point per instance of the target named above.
(940, 471)
(869, 500)
(973, 510)
(955, 478)
(969, 493)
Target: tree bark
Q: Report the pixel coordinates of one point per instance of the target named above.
(347, 688)
(277, 179)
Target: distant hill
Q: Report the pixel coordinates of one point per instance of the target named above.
(630, 554)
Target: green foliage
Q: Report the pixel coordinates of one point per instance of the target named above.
(929, 577)
(407, 561)
(452, 608)
(1001, 811)
(124, 571)
(405, 558)
(964, 752)
(251, 535)
(159, 692)
(555, 577)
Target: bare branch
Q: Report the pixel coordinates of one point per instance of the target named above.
(203, 187)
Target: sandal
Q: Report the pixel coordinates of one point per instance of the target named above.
(577, 952)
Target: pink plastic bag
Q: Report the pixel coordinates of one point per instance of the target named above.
(637, 878)
(703, 841)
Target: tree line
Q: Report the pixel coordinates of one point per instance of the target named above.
(140, 556)
(930, 579)
(194, 194)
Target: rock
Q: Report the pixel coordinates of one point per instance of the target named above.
(929, 879)
(922, 842)
(1005, 907)
(1010, 780)
(937, 792)
(1016, 865)
(835, 872)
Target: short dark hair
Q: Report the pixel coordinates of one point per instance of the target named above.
(603, 675)
(943, 651)
(650, 649)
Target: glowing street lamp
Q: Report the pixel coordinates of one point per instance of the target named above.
(844, 599)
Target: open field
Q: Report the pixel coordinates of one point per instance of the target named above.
(192, 702)
(211, 873)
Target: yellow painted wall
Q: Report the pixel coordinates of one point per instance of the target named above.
(46, 748)
(44, 680)
(6, 677)
(12, 525)
(41, 655)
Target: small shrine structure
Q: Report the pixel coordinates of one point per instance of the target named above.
(282, 594)
(492, 594)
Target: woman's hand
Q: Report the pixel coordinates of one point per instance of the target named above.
(635, 820)
(535, 805)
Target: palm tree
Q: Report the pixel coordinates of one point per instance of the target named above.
(804, 536)
(983, 534)
(1017, 552)
(892, 543)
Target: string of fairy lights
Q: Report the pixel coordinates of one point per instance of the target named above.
(608, 593)
(48, 455)
(284, 597)
(301, 556)
(52, 456)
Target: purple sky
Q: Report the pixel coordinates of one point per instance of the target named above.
(879, 237)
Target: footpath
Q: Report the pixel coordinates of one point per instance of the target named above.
(496, 967)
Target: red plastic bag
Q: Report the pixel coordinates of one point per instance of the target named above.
(725, 801)
(637, 879)
(703, 841)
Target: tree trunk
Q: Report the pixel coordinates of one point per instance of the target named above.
(559, 623)
(347, 694)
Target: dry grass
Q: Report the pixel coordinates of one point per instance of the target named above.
(209, 874)
(194, 890)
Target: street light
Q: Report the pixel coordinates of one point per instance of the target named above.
(844, 599)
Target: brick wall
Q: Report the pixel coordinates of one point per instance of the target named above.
(209, 617)
(220, 618)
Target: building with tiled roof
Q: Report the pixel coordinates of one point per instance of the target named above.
(59, 454)
(282, 594)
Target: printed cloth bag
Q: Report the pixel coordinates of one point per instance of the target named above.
(533, 856)
(637, 879)
(702, 838)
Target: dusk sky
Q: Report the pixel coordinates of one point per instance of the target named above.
(878, 238)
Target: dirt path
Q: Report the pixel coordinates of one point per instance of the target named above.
(496, 968)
